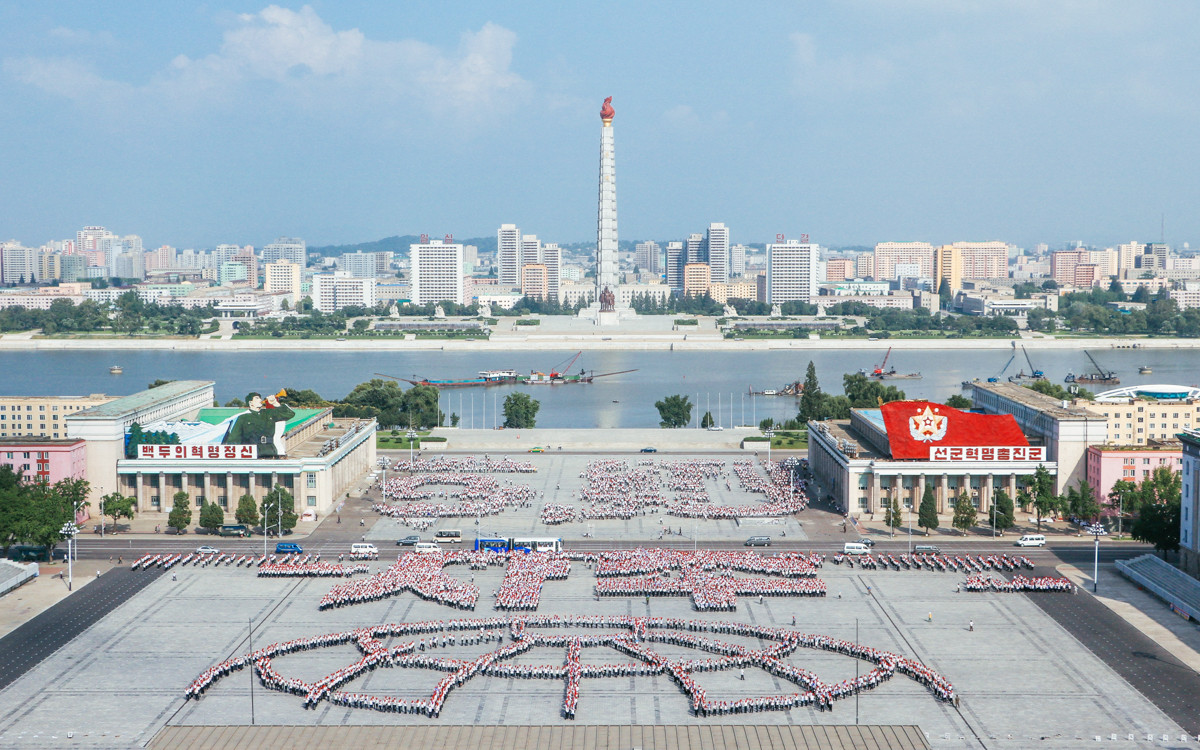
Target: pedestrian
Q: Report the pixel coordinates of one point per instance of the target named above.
(971, 626)
(793, 621)
(931, 617)
(339, 518)
(742, 673)
(173, 578)
(362, 522)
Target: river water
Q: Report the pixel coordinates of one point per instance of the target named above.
(625, 400)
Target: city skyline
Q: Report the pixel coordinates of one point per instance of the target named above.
(216, 125)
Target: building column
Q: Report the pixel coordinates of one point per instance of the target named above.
(137, 493)
(873, 492)
(162, 491)
(943, 492)
(229, 488)
(920, 493)
(274, 479)
(985, 496)
(1012, 490)
(206, 488)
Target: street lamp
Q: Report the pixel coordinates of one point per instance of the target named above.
(412, 435)
(69, 530)
(770, 433)
(1097, 531)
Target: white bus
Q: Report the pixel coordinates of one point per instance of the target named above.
(535, 545)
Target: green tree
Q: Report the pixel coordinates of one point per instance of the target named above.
(212, 517)
(454, 420)
(181, 512)
(865, 393)
(278, 504)
(1040, 493)
(674, 411)
(892, 517)
(964, 513)
(247, 511)
(159, 382)
(1081, 501)
(520, 411)
(1005, 513)
(1162, 486)
(116, 506)
(945, 294)
(13, 509)
(1158, 524)
(707, 420)
(811, 398)
(958, 402)
(927, 517)
(420, 407)
(47, 512)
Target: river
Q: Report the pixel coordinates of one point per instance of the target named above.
(625, 400)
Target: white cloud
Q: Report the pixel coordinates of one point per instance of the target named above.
(300, 60)
(817, 73)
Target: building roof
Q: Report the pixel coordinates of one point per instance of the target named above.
(127, 405)
(1158, 392)
(217, 415)
(38, 440)
(1048, 405)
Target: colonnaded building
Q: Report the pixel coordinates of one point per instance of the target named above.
(219, 454)
(903, 446)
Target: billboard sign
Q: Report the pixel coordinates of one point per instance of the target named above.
(198, 452)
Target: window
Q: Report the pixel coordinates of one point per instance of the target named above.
(311, 480)
(42, 407)
(1145, 460)
(312, 500)
(25, 455)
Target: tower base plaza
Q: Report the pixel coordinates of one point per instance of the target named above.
(1020, 679)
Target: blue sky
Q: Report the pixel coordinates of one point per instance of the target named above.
(855, 121)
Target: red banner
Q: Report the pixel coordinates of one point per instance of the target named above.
(915, 427)
(198, 452)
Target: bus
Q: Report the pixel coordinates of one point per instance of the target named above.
(520, 544)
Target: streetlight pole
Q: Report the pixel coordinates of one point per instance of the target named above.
(250, 621)
(770, 433)
(412, 435)
(69, 530)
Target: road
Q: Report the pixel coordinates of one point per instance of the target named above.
(25, 647)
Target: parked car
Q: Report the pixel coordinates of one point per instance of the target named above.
(408, 541)
(866, 541)
(237, 530)
(927, 549)
(758, 541)
(288, 548)
(207, 549)
(649, 450)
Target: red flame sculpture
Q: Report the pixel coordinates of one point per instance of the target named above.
(607, 112)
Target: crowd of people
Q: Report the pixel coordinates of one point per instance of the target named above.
(634, 637)
(471, 464)
(421, 574)
(481, 495)
(1019, 583)
(554, 514)
(524, 576)
(939, 563)
(311, 570)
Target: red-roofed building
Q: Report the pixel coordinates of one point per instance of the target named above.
(904, 446)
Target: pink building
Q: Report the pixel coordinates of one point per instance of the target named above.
(1108, 463)
(46, 458)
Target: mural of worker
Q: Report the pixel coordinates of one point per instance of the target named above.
(263, 425)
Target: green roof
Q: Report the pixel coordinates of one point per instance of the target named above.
(143, 399)
(218, 415)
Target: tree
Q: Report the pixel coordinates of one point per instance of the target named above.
(116, 506)
(927, 514)
(766, 424)
(520, 411)
(1158, 524)
(1004, 513)
(811, 397)
(1162, 486)
(964, 513)
(420, 407)
(247, 511)
(945, 294)
(277, 505)
(892, 517)
(181, 512)
(1040, 493)
(1081, 501)
(158, 382)
(707, 420)
(674, 411)
(454, 420)
(958, 402)
(212, 517)
(865, 393)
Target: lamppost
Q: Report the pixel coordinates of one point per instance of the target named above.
(1097, 531)
(412, 435)
(993, 519)
(69, 530)
(279, 521)
(770, 433)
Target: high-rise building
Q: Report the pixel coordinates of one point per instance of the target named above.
(283, 275)
(791, 271)
(292, 249)
(18, 264)
(531, 250)
(948, 266)
(888, 254)
(676, 260)
(697, 277)
(224, 254)
(366, 265)
(534, 281)
(162, 258)
(333, 291)
(1062, 265)
(508, 255)
(864, 266)
(838, 269)
(436, 272)
(1127, 254)
(231, 272)
(551, 258)
(89, 238)
(247, 258)
(607, 269)
(645, 257)
(737, 260)
(716, 245)
(72, 267)
(49, 266)
(695, 249)
(1105, 260)
(983, 260)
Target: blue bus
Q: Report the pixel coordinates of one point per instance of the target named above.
(521, 544)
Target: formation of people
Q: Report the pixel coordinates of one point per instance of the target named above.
(939, 563)
(311, 570)
(524, 576)
(480, 496)
(1018, 583)
(633, 636)
(474, 464)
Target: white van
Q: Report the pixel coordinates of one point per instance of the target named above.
(448, 536)
(855, 548)
(422, 548)
(361, 548)
(1032, 540)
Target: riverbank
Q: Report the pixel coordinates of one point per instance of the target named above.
(601, 341)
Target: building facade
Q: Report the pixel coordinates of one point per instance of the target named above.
(696, 279)
(45, 459)
(292, 249)
(436, 272)
(716, 245)
(43, 417)
(1189, 523)
(948, 267)
(791, 271)
(333, 291)
(1108, 464)
(508, 255)
(283, 276)
(888, 254)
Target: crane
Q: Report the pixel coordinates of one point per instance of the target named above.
(1037, 374)
(879, 371)
(556, 373)
(996, 379)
